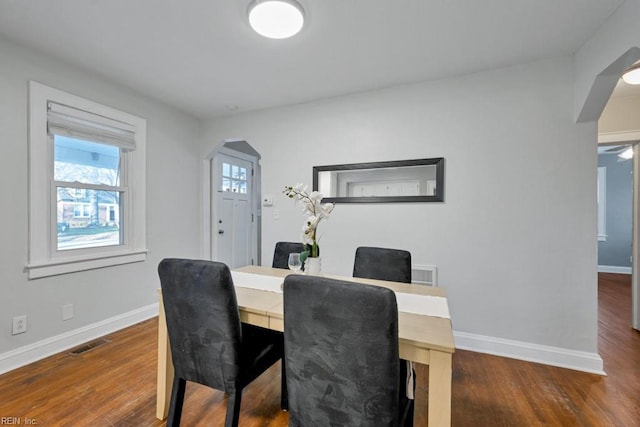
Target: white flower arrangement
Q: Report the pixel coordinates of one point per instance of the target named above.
(312, 206)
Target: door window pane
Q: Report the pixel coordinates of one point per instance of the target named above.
(234, 178)
(226, 184)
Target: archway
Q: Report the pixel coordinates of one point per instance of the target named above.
(597, 98)
(214, 231)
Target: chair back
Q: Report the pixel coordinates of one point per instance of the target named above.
(282, 251)
(203, 321)
(382, 264)
(341, 353)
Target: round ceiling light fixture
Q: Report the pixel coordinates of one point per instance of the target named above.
(276, 19)
(632, 75)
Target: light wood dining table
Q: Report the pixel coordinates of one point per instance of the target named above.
(423, 339)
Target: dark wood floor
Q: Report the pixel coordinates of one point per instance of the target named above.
(114, 384)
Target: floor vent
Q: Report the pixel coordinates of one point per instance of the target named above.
(88, 346)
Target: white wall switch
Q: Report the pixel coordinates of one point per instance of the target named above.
(276, 214)
(267, 200)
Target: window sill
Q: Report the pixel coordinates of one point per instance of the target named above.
(64, 266)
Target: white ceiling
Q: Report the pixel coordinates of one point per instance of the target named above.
(202, 57)
(625, 89)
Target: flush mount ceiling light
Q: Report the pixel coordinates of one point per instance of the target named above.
(276, 19)
(632, 75)
(626, 154)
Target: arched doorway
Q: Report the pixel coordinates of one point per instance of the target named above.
(594, 104)
(231, 202)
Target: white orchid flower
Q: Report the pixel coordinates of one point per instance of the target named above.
(311, 205)
(306, 239)
(326, 209)
(316, 196)
(312, 221)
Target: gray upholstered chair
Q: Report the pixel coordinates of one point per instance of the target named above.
(282, 251)
(209, 344)
(393, 265)
(341, 353)
(382, 264)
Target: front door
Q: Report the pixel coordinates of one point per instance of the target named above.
(233, 220)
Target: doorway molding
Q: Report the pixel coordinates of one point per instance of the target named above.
(591, 110)
(615, 138)
(629, 138)
(239, 148)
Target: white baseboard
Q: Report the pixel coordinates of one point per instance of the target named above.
(39, 350)
(554, 356)
(614, 269)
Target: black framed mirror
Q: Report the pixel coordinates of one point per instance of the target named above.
(418, 180)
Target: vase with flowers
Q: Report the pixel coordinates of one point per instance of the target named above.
(316, 211)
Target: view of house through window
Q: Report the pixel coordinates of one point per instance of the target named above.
(89, 198)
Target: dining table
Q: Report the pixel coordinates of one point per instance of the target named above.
(424, 330)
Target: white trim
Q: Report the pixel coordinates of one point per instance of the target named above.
(209, 172)
(216, 183)
(623, 136)
(614, 269)
(206, 251)
(39, 350)
(63, 266)
(635, 242)
(554, 356)
(43, 255)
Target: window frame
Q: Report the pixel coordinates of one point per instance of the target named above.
(44, 258)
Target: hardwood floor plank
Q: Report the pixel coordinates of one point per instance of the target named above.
(114, 384)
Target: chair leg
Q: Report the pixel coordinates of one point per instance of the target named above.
(408, 414)
(233, 408)
(284, 397)
(409, 404)
(177, 399)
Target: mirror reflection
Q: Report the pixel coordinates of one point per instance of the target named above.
(398, 181)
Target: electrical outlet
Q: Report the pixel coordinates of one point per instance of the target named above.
(19, 325)
(67, 312)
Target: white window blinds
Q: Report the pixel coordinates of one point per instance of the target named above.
(75, 123)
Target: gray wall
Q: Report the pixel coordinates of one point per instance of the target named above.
(173, 205)
(515, 239)
(616, 250)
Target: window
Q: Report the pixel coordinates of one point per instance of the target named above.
(234, 178)
(87, 184)
(79, 211)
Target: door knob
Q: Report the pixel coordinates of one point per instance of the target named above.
(220, 231)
